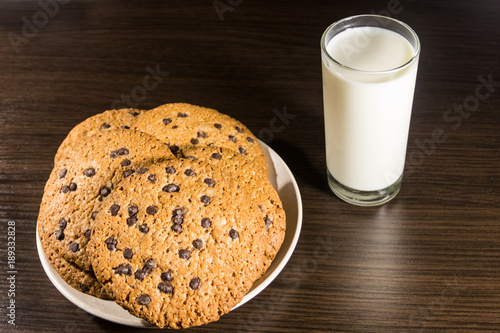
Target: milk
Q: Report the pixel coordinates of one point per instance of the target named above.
(367, 106)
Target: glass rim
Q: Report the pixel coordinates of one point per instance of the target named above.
(406, 26)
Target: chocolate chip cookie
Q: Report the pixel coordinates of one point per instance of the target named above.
(84, 281)
(180, 244)
(169, 212)
(253, 179)
(102, 122)
(82, 179)
(181, 126)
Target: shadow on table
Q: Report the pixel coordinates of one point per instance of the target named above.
(301, 165)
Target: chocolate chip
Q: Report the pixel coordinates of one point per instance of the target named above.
(178, 216)
(209, 181)
(84, 288)
(74, 247)
(65, 189)
(144, 228)
(170, 188)
(140, 274)
(90, 172)
(142, 171)
(249, 139)
(167, 121)
(232, 138)
(167, 276)
(131, 221)
(125, 127)
(133, 210)
(216, 156)
(175, 126)
(238, 129)
(170, 170)
(94, 214)
(63, 173)
(242, 150)
(126, 162)
(184, 254)
(205, 199)
(189, 173)
(127, 253)
(166, 287)
(151, 210)
(114, 209)
(88, 233)
(268, 223)
(182, 115)
(149, 265)
(111, 243)
(194, 141)
(104, 126)
(233, 234)
(62, 224)
(143, 299)
(198, 244)
(174, 149)
(120, 152)
(152, 178)
(72, 187)
(105, 191)
(195, 283)
(201, 134)
(134, 113)
(206, 223)
(176, 228)
(59, 235)
(146, 270)
(218, 126)
(191, 157)
(124, 269)
(128, 173)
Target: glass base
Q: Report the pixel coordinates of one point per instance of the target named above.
(364, 198)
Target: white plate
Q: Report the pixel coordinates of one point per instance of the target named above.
(283, 181)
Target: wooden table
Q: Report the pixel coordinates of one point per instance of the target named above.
(429, 261)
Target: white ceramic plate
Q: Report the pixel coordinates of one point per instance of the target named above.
(283, 181)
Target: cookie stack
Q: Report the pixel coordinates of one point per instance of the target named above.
(168, 212)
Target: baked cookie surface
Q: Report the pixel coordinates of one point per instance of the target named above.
(253, 179)
(181, 126)
(84, 281)
(103, 122)
(179, 245)
(82, 179)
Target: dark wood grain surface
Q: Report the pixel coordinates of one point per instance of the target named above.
(429, 261)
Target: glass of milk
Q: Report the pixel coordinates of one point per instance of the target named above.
(369, 71)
